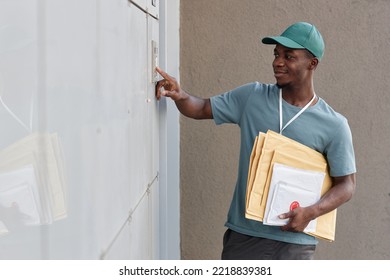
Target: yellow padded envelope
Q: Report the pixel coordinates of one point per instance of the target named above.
(273, 147)
(254, 160)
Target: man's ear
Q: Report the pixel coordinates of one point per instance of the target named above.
(314, 63)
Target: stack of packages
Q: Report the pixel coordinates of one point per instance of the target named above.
(32, 182)
(284, 174)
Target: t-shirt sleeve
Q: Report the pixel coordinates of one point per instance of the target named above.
(340, 152)
(229, 106)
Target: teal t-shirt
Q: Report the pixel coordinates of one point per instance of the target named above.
(254, 107)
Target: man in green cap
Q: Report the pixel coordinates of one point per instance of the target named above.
(292, 108)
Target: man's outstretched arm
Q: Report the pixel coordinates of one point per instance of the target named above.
(190, 106)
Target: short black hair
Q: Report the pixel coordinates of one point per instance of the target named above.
(309, 54)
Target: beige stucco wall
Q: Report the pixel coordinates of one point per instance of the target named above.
(221, 49)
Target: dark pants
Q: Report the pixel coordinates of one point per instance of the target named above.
(237, 246)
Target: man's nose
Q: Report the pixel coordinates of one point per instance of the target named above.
(278, 61)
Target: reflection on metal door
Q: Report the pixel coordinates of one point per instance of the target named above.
(79, 170)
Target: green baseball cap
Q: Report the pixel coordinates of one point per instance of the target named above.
(300, 35)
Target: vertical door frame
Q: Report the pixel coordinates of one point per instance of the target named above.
(169, 60)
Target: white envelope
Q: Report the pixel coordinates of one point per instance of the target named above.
(291, 187)
(18, 189)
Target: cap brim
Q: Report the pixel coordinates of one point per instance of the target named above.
(282, 41)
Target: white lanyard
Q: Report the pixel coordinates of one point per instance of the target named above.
(281, 127)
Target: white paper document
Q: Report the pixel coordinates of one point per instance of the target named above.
(292, 187)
